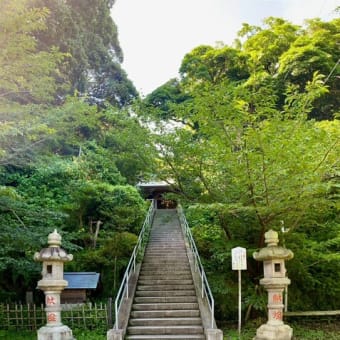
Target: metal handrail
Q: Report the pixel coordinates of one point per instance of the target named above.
(131, 267)
(205, 289)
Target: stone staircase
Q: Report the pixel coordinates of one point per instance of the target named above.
(165, 305)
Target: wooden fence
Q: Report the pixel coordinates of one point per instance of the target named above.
(32, 317)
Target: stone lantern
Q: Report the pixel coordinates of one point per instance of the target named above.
(52, 283)
(274, 281)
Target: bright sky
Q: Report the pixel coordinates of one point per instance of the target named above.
(156, 34)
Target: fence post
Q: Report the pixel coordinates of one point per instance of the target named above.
(8, 322)
(109, 313)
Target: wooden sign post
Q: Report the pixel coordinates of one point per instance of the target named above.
(239, 262)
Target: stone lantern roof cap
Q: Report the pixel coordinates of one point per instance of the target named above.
(273, 251)
(271, 238)
(54, 239)
(53, 252)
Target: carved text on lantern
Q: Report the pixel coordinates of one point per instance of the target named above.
(277, 298)
(51, 317)
(277, 315)
(50, 300)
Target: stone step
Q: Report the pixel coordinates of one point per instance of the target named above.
(171, 255)
(165, 337)
(160, 241)
(166, 254)
(164, 299)
(171, 330)
(179, 260)
(159, 270)
(161, 230)
(164, 260)
(165, 287)
(164, 293)
(165, 321)
(164, 271)
(165, 248)
(165, 306)
(174, 236)
(181, 313)
(179, 264)
(165, 276)
(166, 251)
(158, 253)
(178, 238)
(157, 282)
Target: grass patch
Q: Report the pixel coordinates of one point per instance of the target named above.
(77, 333)
(302, 330)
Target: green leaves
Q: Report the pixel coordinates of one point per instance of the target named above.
(205, 63)
(86, 32)
(248, 158)
(26, 74)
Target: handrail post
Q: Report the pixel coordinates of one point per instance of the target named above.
(198, 267)
(134, 261)
(212, 312)
(202, 286)
(127, 285)
(116, 316)
(132, 265)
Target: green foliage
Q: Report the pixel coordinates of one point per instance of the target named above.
(109, 259)
(23, 225)
(26, 74)
(86, 32)
(59, 195)
(265, 47)
(302, 329)
(118, 207)
(80, 334)
(235, 133)
(160, 101)
(279, 54)
(247, 157)
(206, 63)
(70, 191)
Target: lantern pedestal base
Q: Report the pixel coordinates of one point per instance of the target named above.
(214, 334)
(115, 334)
(274, 332)
(55, 333)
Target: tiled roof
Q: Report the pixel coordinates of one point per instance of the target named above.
(81, 280)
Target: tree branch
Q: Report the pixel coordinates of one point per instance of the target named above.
(326, 155)
(18, 218)
(13, 92)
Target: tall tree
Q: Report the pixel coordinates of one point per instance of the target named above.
(315, 50)
(248, 157)
(27, 79)
(86, 31)
(26, 74)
